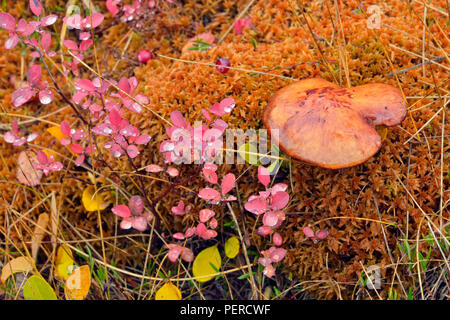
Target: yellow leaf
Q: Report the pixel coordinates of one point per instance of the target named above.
(91, 202)
(49, 153)
(78, 283)
(56, 132)
(382, 131)
(38, 234)
(232, 246)
(64, 261)
(204, 262)
(168, 291)
(20, 264)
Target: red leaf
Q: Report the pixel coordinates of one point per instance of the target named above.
(263, 176)
(122, 211)
(228, 183)
(36, 7)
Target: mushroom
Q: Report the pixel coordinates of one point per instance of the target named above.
(329, 126)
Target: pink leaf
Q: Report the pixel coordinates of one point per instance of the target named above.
(50, 19)
(208, 194)
(46, 40)
(124, 85)
(96, 18)
(125, 224)
(136, 205)
(45, 96)
(132, 151)
(22, 96)
(227, 105)
(200, 229)
(242, 24)
(256, 206)
(76, 148)
(84, 36)
(206, 114)
(173, 172)
(36, 7)
(228, 183)
(178, 209)
(210, 176)
(72, 45)
(321, 234)
(270, 219)
(9, 137)
(263, 176)
(280, 200)
(12, 42)
(277, 239)
(213, 223)
(114, 117)
(85, 84)
(41, 157)
(278, 254)
(179, 236)
(142, 139)
(217, 109)
(86, 44)
(205, 215)
(269, 271)
(32, 136)
(122, 211)
(174, 252)
(79, 161)
(111, 5)
(187, 255)
(154, 168)
(210, 166)
(7, 21)
(309, 233)
(139, 223)
(177, 119)
(34, 75)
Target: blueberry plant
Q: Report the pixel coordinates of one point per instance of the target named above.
(100, 105)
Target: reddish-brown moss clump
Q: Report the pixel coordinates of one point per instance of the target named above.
(336, 200)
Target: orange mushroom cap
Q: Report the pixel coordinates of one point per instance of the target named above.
(332, 127)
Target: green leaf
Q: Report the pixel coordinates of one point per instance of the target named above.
(249, 152)
(36, 288)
